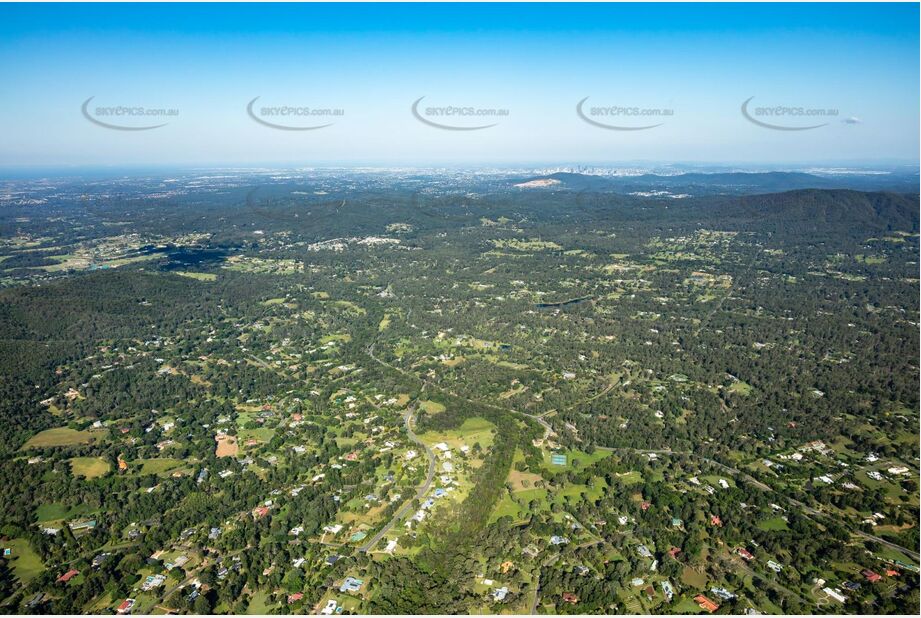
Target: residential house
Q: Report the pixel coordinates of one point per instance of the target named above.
(351, 584)
(66, 577)
(329, 608)
(722, 593)
(706, 603)
(667, 590)
(125, 607)
(871, 576)
(834, 594)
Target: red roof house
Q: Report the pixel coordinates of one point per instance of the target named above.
(570, 597)
(706, 603)
(294, 598)
(66, 577)
(871, 576)
(125, 607)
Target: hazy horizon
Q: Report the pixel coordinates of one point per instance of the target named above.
(586, 167)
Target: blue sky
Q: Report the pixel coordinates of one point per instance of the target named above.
(537, 61)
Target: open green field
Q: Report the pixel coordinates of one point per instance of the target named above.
(336, 337)
(517, 505)
(474, 430)
(505, 507)
(196, 276)
(773, 524)
(575, 460)
(349, 306)
(25, 562)
(263, 434)
(525, 496)
(573, 494)
(740, 388)
(630, 478)
(158, 465)
(693, 578)
(431, 407)
(259, 603)
(51, 512)
(59, 436)
(89, 467)
(55, 511)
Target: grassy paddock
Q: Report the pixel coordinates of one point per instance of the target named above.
(89, 467)
(59, 436)
(159, 465)
(25, 563)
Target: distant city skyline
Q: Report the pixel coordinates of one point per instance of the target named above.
(458, 85)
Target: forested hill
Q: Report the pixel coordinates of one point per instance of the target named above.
(840, 208)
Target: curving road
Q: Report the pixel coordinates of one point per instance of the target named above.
(420, 492)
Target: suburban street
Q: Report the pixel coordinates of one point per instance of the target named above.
(420, 492)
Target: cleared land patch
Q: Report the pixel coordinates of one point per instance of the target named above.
(159, 465)
(89, 467)
(226, 446)
(25, 562)
(197, 276)
(522, 481)
(59, 436)
(432, 407)
(474, 430)
(55, 511)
